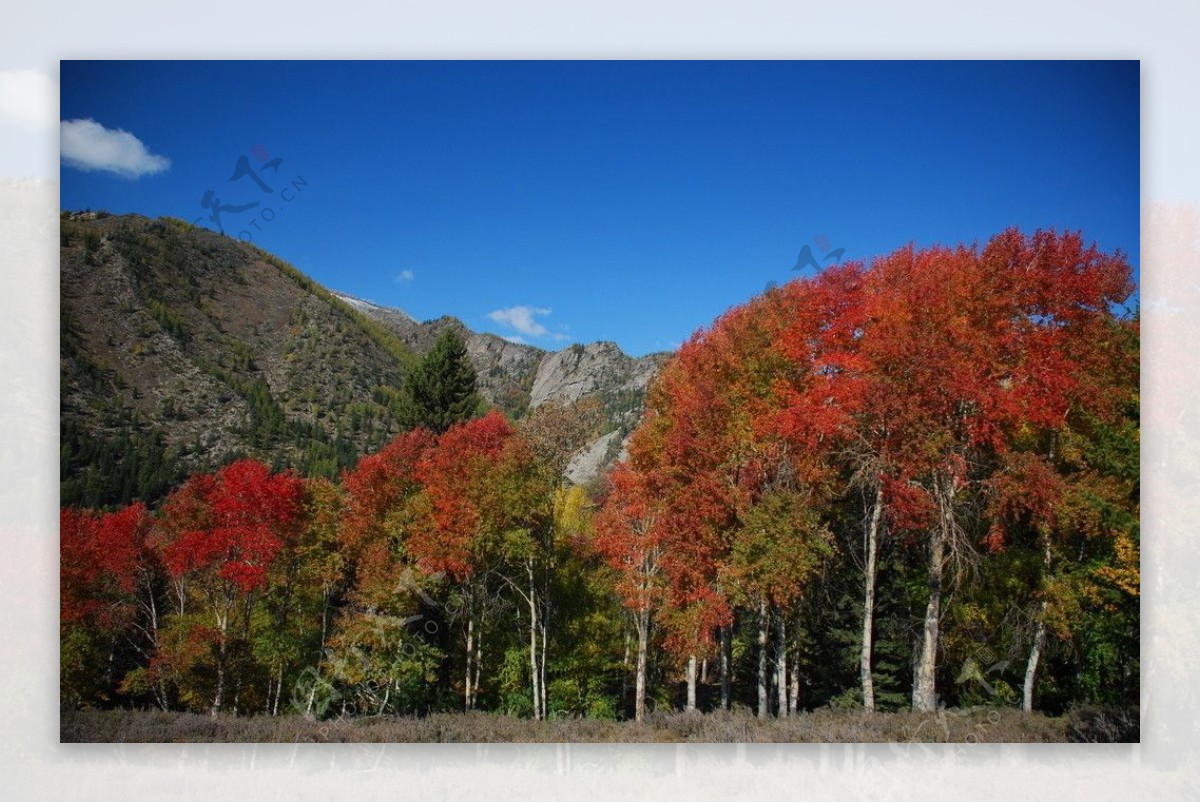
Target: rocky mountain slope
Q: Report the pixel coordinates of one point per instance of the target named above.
(518, 377)
(181, 348)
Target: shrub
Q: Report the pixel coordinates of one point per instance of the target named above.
(1090, 723)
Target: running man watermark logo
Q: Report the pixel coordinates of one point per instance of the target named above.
(816, 260)
(265, 211)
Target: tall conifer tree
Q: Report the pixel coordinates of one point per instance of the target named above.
(440, 391)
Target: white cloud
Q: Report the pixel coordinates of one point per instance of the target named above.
(87, 145)
(521, 319)
(405, 275)
(28, 97)
(520, 341)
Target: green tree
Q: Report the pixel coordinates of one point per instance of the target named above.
(440, 391)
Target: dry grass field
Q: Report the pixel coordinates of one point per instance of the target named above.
(826, 725)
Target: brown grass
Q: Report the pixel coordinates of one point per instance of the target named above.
(978, 725)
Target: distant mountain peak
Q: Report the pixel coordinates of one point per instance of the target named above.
(519, 377)
(371, 308)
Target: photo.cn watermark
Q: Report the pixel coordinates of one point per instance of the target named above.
(263, 212)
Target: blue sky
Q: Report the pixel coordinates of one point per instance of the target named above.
(560, 202)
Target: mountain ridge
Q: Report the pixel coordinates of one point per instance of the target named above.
(181, 348)
(557, 375)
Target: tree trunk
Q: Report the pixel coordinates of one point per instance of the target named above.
(478, 663)
(726, 660)
(643, 632)
(794, 669)
(160, 686)
(180, 595)
(470, 655)
(691, 683)
(222, 630)
(794, 686)
(220, 696)
(763, 632)
(1039, 636)
(868, 624)
(542, 661)
(324, 625)
(781, 663)
(924, 696)
(1035, 654)
(625, 665)
(387, 693)
(544, 624)
(534, 674)
(312, 696)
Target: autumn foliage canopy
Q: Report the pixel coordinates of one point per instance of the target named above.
(973, 410)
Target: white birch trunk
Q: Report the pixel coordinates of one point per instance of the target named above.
(726, 651)
(478, 664)
(924, 697)
(794, 669)
(534, 674)
(868, 623)
(1039, 636)
(691, 683)
(643, 629)
(1035, 654)
(794, 687)
(542, 664)
(763, 632)
(470, 655)
(781, 663)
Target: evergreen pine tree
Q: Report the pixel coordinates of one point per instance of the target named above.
(440, 390)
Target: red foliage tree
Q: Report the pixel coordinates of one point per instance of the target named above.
(107, 572)
(101, 556)
(222, 533)
(969, 351)
(485, 508)
(629, 536)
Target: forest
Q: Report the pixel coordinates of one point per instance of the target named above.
(902, 485)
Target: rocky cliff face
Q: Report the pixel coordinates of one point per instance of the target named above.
(505, 371)
(519, 378)
(590, 461)
(597, 368)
